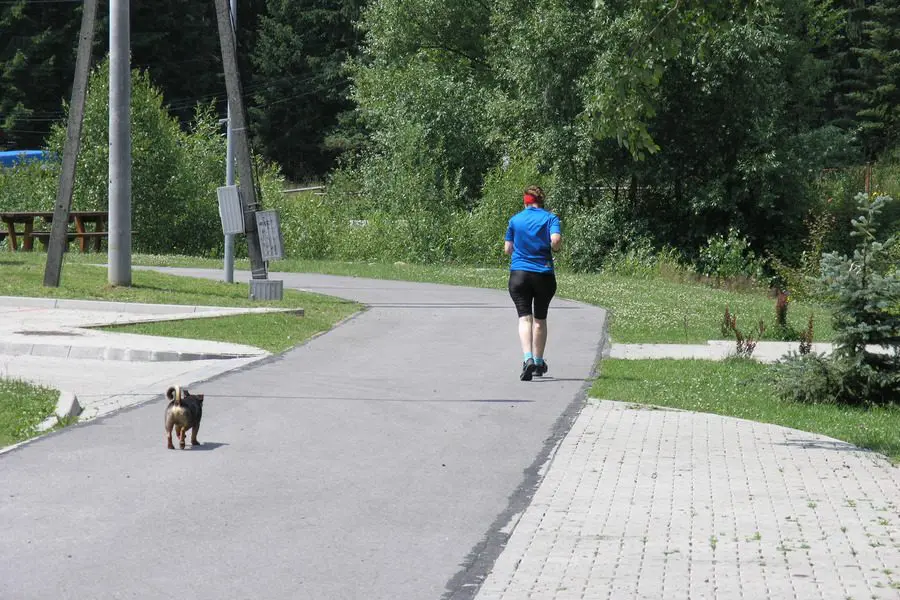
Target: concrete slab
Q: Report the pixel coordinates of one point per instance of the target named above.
(765, 351)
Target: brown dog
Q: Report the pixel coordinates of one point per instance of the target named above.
(184, 412)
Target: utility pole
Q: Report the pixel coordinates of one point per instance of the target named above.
(238, 127)
(229, 169)
(59, 230)
(119, 272)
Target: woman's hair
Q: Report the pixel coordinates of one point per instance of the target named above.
(538, 194)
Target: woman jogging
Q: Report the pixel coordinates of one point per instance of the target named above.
(532, 236)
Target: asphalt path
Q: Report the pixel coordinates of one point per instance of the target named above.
(385, 459)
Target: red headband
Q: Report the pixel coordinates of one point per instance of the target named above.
(530, 199)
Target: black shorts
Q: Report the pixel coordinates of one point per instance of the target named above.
(527, 288)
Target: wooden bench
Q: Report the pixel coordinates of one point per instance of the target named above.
(83, 238)
(87, 237)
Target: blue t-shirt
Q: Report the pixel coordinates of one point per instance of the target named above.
(530, 231)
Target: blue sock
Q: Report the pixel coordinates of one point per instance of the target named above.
(538, 360)
(527, 356)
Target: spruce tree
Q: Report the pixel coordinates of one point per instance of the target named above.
(864, 290)
(301, 86)
(879, 62)
(37, 62)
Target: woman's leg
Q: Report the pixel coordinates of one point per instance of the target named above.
(545, 289)
(539, 337)
(522, 294)
(526, 335)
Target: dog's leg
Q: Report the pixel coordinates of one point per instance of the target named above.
(169, 426)
(181, 436)
(194, 440)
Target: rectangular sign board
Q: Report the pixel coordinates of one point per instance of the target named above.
(230, 210)
(271, 242)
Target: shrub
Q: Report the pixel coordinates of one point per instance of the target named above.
(29, 186)
(809, 377)
(782, 329)
(839, 189)
(799, 279)
(641, 260)
(864, 291)
(593, 235)
(477, 235)
(174, 174)
(729, 257)
(745, 343)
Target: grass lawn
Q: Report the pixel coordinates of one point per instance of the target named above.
(23, 276)
(273, 332)
(22, 406)
(641, 310)
(743, 388)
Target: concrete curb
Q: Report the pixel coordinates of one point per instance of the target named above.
(765, 351)
(211, 314)
(135, 307)
(67, 406)
(114, 353)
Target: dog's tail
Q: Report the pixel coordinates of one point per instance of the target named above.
(174, 393)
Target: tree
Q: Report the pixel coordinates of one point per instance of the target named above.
(37, 62)
(673, 120)
(301, 88)
(174, 173)
(864, 292)
(879, 64)
(177, 42)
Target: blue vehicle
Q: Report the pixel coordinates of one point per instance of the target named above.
(11, 158)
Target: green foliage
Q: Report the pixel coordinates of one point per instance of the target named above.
(862, 287)
(593, 235)
(28, 186)
(640, 260)
(729, 257)
(177, 43)
(624, 96)
(174, 174)
(864, 291)
(878, 99)
(427, 121)
(175, 40)
(837, 190)
(298, 59)
(811, 378)
(800, 280)
(36, 60)
(477, 234)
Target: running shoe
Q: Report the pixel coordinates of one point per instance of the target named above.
(541, 369)
(528, 368)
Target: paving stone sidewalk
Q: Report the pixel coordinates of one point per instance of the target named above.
(651, 503)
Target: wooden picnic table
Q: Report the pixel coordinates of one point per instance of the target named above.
(90, 225)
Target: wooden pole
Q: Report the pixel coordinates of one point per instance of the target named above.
(241, 140)
(58, 241)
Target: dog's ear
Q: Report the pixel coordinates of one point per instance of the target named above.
(170, 393)
(201, 397)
